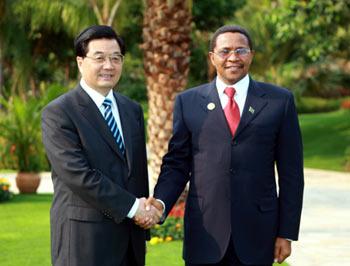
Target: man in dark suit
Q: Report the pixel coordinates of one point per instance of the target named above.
(228, 136)
(95, 142)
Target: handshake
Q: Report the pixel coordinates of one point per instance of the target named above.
(149, 212)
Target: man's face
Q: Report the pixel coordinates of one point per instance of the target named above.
(99, 68)
(232, 67)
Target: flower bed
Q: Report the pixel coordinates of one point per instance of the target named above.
(5, 193)
(172, 229)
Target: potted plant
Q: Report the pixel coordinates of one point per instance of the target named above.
(20, 135)
(20, 131)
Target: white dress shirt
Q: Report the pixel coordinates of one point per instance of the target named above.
(98, 99)
(240, 97)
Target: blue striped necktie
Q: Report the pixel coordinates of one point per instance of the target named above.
(112, 124)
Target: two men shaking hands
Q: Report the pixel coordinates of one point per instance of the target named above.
(228, 136)
(149, 213)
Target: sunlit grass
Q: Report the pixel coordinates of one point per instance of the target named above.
(325, 137)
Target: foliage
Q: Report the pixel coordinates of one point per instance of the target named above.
(208, 17)
(132, 82)
(172, 228)
(345, 104)
(325, 138)
(5, 193)
(317, 105)
(347, 159)
(199, 59)
(299, 44)
(20, 130)
(302, 45)
(322, 26)
(20, 126)
(39, 32)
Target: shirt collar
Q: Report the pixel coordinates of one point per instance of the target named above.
(241, 86)
(97, 97)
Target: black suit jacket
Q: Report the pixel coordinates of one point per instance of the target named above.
(232, 189)
(94, 184)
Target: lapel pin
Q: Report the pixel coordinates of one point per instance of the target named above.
(211, 106)
(251, 110)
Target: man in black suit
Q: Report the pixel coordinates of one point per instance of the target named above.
(228, 136)
(95, 142)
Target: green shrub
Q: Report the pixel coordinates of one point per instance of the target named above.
(172, 229)
(132, 82)
(347, 159)
(317, 105)
(20, 130)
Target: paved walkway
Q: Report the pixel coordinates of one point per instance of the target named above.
(325, 227)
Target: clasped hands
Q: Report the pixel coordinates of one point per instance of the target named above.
(148, 213)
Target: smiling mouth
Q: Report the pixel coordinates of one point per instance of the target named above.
(106, 76)
(234, 67)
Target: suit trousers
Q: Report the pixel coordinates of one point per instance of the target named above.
(129, 259)
(230, 259)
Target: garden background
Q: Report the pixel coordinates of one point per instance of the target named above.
(301, 45)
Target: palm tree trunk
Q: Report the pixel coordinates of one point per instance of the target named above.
(104, 17)
(1, 72)
(166, 49)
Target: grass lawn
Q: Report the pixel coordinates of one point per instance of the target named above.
(24, 231)
(25, 239)
(325, 137)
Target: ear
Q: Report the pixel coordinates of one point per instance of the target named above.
(79, 60)
(212, 59)
(252, 53)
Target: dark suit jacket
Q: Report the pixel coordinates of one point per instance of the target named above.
(94, 184)
(232, 189)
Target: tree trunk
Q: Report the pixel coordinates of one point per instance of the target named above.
(166, 49)
(1, 67)
(104, 17)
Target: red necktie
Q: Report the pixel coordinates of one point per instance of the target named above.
(231, 110)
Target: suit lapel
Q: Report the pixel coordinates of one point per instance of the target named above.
(252, 107)
(126, 126)
(90, 111)
(210, 99)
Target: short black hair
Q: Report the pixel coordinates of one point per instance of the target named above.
(229, 28)
(94, 32)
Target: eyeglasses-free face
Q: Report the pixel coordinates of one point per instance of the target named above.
(231, 57)
(102, 66)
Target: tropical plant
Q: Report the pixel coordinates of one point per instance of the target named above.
(20, 129)
(166, 47)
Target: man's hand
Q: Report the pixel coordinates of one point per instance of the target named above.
(146, 218)
(154, 202)
(283, 249)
